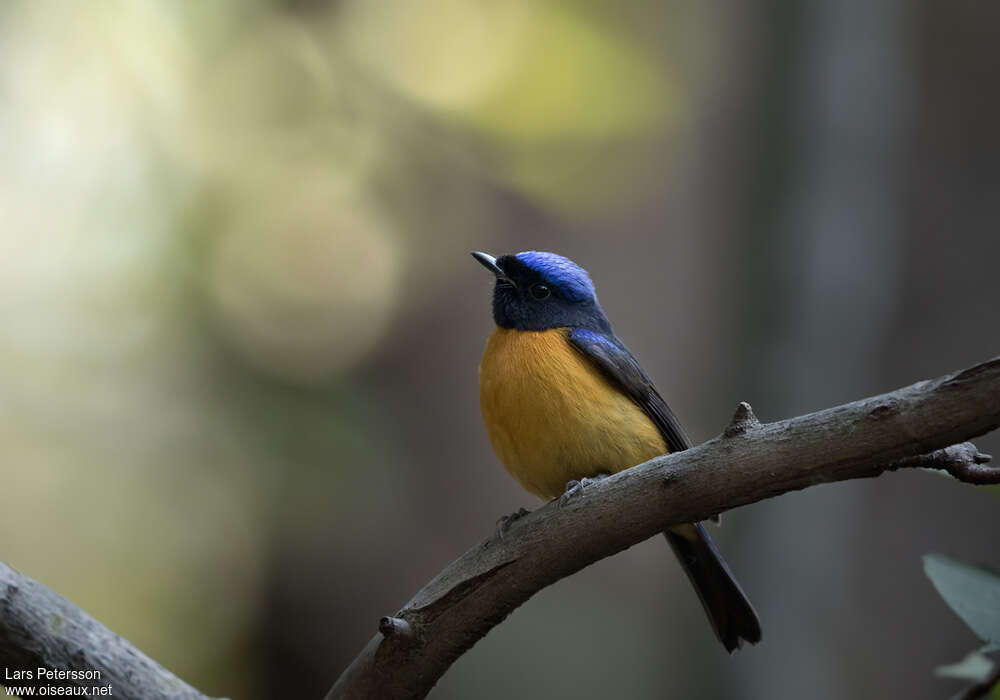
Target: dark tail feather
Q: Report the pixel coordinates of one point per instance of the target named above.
(729, 611)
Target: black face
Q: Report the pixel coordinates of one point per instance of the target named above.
(533, 294)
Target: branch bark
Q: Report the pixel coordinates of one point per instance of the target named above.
(922, 425)
(40, 628)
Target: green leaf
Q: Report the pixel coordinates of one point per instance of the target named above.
(975, 667)
(971, 591)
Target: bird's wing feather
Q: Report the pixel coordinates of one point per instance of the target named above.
(618, 364)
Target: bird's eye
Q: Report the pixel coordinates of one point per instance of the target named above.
(540, 291)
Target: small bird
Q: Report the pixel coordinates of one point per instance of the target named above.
(564, 400)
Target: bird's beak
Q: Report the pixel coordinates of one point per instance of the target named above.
(490, 263)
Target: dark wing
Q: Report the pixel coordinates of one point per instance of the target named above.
(731, 614)
(617, 364)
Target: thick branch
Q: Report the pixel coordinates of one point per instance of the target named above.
(41, 628)
(907, 428)
(917, 426)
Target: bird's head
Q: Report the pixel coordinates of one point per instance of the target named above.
(537, 291)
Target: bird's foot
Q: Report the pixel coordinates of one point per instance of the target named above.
(504, 523)
(575, 488)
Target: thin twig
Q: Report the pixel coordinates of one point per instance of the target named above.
(964, 462)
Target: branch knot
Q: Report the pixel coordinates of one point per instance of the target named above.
(395, 627)
(743, 420)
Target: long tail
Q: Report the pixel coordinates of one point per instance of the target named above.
(731, 614)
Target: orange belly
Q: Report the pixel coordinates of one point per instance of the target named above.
(552, 416)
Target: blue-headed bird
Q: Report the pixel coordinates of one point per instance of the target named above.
(564, 400)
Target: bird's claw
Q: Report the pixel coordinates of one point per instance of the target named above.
(504, 523)
(574, 488)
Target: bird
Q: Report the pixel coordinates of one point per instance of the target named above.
(565, 401)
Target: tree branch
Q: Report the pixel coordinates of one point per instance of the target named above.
(41, 628)
(916, 426)
(920, 426)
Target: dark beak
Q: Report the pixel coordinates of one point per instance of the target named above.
(490, 263)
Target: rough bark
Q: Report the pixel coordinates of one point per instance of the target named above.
(40, 628)
(922, 425)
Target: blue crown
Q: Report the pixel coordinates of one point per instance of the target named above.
(572, 280)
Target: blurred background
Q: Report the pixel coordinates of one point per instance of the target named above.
(241, 326)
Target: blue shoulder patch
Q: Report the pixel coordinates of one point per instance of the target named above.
(572, 280)
(594, 340)
(618, 364)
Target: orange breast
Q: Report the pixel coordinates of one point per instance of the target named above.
(552, 416)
